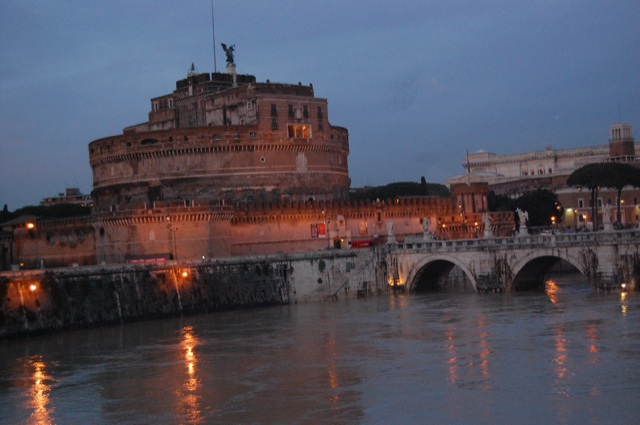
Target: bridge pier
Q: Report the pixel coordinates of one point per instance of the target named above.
(490, 283)
(605, 282)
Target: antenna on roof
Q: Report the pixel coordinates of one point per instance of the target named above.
(213, 31)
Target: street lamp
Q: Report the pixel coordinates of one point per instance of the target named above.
(31, 226)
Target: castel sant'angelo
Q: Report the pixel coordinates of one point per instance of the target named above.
(229, 166)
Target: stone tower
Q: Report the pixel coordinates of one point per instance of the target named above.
(621, 143)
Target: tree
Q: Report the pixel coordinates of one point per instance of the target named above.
(617, 176)
(423, 186)
(394, 190)
(613, 175)
(588, 176)
(5, 215)
(540, 205)
(53, 211)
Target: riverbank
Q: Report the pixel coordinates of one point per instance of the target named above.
(42, 301)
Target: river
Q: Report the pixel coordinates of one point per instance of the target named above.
(567, 356)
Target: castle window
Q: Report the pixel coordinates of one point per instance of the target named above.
(274, 123)
(290, 111)
(252, 135)
(305, 111)
(249, 106)
(299, 131)
(217, 136)
(155, 106)
(170, 103)
(274, 110)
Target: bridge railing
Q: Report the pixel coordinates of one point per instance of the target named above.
(520, 242)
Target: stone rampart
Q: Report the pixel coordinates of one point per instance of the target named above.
(230, 163)
(191, 231)
(37, 301)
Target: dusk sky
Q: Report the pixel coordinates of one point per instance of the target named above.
(417, 83)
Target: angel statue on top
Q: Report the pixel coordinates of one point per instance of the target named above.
(229, 52)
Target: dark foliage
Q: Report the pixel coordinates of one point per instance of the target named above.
(394, 190)
(54, 211)
(541, 205)
(612, 175)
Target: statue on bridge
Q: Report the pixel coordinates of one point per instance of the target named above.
(391, 236)
(426, 233)
(606, 213)
(523, 216)
(486, 219)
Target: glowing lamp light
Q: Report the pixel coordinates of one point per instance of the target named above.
(624, 286)
(31, 225)
(33, 287)
(185, 273)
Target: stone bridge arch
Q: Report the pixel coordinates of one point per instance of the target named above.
(530, 270)
(429, 272)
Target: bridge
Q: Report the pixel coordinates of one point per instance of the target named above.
(608, 259)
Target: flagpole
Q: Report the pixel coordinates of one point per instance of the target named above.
(213, 32)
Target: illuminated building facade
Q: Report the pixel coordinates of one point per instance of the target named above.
(514, 174)
(224, 138)
(228, 166)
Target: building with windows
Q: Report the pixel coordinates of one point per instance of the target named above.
(514, 174)
(72, 195)
(229, 166)
(225, 138)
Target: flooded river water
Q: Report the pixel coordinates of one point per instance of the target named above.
(568, 356)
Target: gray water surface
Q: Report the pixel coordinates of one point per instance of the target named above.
(567, 356)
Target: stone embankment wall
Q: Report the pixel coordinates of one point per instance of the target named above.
(60, 299)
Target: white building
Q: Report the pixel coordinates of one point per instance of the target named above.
(513, 174)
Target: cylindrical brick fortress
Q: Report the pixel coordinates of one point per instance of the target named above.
(215, 140)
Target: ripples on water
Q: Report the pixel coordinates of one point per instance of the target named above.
(564, 356)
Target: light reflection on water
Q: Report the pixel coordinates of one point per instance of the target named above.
(564, 356)
(40, 392)
(188, 396)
